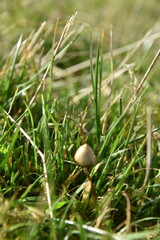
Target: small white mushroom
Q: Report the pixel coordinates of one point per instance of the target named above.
(84, 156)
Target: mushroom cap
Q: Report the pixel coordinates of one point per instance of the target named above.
(84, 156)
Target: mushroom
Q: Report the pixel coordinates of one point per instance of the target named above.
(84, 156)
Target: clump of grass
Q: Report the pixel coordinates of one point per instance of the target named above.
(45, 118)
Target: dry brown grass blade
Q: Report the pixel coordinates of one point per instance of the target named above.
(64, 33)
(148, 71)
(145, 77)
(128, 212)
(36, 36)
(105, 213)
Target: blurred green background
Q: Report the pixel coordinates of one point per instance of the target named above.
(130, 19)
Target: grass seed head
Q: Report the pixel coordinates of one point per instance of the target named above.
(84, 156)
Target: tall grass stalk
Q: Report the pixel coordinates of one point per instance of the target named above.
(96, 79)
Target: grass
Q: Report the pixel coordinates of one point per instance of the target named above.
(56, 95)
